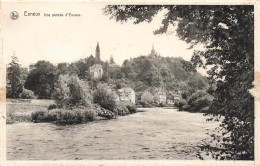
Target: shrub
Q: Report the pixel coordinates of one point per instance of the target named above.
(52, 106)
(105, 97)
(71, 92)
(124, 108)
(199, 101)
(180, 104)
(145, 104)
(62, 116)
(131, 108)
(121, 110)
(39, 116)
(103, 112)
(162, 105)
(28, 94)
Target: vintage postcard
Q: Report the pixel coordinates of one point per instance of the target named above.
(130, 83)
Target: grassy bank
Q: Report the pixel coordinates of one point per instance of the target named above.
(18, 110)
(37, 111)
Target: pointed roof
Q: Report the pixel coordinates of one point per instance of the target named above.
(153, 50)
(97, 48)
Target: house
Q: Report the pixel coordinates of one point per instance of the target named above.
(160, 97)
(126, 94)
(96, 71)
(176, 98)
(172, 98)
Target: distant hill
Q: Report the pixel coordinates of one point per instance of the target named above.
(154, 71)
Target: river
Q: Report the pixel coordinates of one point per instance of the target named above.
(154, 133)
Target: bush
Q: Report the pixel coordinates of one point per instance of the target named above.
(162, 105)
(52, 106)
(121, 110)
(124, 108)
(103, 112)
(71, 92)
(105, 97)
(199, 101)
(131, 108)
(62, 116)
(39, 116)
(180, 104)
(145, 104)
(28, 94)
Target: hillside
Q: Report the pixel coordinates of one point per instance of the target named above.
(154, 71)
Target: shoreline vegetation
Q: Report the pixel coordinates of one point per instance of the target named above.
(39, 111)
(45, 111)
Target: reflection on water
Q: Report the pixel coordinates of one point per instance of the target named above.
(152, 134)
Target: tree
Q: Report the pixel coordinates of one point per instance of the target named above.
(71, 92)
(128, 70)
(14, 85)
(147, 97)
(227, 33)
(83, 68)
(111, 60)
(105, 97)
(41, 80)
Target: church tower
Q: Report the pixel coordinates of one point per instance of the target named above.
(153, 51)
(97, 52)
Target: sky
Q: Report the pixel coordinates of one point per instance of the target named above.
(68, 39)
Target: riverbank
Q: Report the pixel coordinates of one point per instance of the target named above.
(26, 110)
(20, 110)
(149, 134)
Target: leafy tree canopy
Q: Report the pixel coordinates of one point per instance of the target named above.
(41, 79)
(14, 85)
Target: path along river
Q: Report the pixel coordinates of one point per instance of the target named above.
(154, 133)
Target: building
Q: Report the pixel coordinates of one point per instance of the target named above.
(126, 94)
(172, 98)
(176, 98)
(160, 97)
(96, 71)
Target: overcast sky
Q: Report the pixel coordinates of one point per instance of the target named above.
(67, 39)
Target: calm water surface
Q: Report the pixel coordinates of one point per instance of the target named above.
(155, 133)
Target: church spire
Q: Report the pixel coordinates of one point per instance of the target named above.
(153, 51)
(97, 52)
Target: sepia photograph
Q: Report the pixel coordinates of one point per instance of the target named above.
(99, 81)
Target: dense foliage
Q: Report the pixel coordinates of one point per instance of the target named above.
(155, 71)
(64, 116)
(28, 94)
(41, 79)
(199, 101)
(70, 92)
(228, 35)
(105, 97)
(13, 80)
